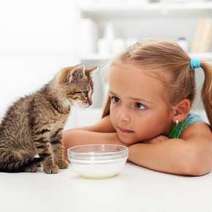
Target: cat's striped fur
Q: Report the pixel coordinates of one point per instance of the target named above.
(31, 131)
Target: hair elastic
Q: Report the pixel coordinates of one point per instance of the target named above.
(195, 63)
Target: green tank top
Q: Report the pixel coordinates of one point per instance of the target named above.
(178, 129)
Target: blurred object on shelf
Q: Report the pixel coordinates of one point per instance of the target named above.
(130, 41)
(154, 1)
(135, 2)
(121, 23)
(182, 1)
(88, 36)
(109, 44)
(113, 2)
(102, 47)
(105, 43)
(203, 55)
(118, 45)
(182, 41)
(203, 36)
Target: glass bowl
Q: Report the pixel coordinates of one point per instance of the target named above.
(98, 160)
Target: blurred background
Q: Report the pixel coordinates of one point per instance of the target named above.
(37, 38)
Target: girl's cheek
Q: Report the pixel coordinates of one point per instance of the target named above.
(113, 118)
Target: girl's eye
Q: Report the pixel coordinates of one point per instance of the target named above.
(114, 99)
(140, 106)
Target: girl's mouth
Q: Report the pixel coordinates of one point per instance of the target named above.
(124, 130)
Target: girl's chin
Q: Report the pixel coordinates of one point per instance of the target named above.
(126, 140)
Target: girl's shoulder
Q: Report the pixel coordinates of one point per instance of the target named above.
(190, 122)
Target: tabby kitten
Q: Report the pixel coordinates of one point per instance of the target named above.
(31, 131)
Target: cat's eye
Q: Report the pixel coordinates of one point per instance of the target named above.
(78, 75)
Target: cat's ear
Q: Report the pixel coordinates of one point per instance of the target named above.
(77, 73)
(91, 69)
(68, 74)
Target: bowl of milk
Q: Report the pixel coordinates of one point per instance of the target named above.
(98, 160)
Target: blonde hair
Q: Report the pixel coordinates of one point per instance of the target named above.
(175, 63)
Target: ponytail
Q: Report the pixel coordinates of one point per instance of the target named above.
(207, 90)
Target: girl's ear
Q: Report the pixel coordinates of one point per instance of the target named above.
(181, 110)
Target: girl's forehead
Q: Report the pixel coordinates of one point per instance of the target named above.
(133, 82)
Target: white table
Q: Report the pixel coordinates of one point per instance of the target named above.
(136, 189)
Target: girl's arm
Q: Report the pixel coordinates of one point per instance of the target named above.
(100, 133)
(77, 137)
(191, 155)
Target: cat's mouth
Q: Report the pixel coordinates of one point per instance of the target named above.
(86, 99)
(76, 92)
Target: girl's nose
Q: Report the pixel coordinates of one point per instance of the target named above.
(124, 116)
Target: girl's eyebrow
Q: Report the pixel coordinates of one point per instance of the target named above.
(112, 93)
(140, 100)
(133, 98)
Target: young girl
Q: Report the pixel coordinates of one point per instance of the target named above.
(151, 90)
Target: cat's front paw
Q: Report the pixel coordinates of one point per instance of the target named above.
(63, 164)
(51, 169)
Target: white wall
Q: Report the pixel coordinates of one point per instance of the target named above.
(37, 38)
(30, 25)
